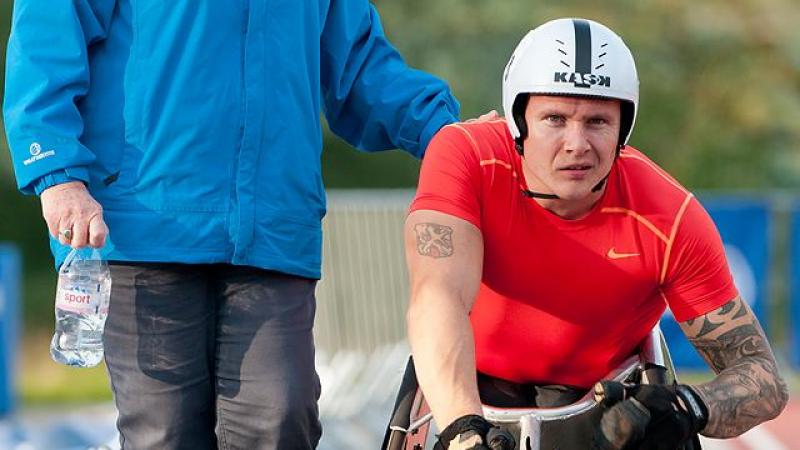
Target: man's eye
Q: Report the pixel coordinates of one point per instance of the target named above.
(598, 121)
(555, 118)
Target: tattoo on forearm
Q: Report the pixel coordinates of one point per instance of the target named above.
(748, 389)
(434, 240)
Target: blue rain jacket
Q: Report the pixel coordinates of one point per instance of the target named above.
(196, 123)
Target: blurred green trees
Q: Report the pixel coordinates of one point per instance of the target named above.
(720, 80)
(720, 101)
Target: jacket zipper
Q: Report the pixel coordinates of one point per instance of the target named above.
(237, 219)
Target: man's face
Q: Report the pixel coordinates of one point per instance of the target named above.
(570, 146)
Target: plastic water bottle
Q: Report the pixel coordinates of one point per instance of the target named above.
(82, 298)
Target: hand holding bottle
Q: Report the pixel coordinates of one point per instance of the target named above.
(82, 299)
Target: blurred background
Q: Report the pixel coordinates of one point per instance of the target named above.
(720, 111)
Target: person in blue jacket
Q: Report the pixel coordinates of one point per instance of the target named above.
(191, 130)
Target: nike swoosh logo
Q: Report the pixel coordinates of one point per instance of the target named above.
(612, 254)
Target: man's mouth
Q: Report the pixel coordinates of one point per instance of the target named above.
(576, 172)
(577, 167)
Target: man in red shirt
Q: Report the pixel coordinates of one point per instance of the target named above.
(542, 250)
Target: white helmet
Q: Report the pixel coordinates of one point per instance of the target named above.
(575, 57)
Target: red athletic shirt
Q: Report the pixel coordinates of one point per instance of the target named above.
(566, 301)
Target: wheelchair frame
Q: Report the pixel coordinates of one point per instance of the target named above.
(411, 419)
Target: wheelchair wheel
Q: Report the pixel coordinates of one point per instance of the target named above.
(409, 408)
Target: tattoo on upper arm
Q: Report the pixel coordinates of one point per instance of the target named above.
(434, 240)
(748, 389)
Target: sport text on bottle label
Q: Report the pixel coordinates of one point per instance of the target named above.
(79, 302)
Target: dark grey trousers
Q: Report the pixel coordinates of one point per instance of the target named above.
(212, 357)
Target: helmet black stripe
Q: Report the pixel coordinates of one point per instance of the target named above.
(583, 49)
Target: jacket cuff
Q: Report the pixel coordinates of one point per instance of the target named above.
(59, 177)
(439, 121)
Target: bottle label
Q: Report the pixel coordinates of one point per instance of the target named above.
(79, 302)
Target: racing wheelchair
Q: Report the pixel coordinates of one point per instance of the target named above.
(559, 428)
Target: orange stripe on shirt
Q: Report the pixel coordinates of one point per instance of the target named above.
(638, 217)
(485, 121)
(663, 296)
(501, 163)
(469, 135)
(672, 234)
(489, 162)
(655, 168)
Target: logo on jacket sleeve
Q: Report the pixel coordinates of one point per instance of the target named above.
(37, 154)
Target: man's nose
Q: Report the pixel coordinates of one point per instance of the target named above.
(576, 139)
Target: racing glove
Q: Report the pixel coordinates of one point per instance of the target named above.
(473, 432)
(653, 416)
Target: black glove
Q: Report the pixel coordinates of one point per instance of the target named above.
(653, 417)
(500, 439)
(493, 438)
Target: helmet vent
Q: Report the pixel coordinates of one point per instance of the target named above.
(600, 56)
(563, 52)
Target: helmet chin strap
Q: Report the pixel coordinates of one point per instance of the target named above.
(531, 194)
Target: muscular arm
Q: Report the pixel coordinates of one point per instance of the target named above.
(748, 389)
(444, 256)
